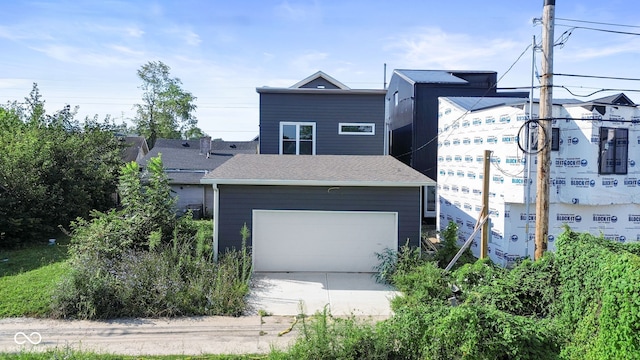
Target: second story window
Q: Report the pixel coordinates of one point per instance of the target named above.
(614, 148)
(297, 138)
(356, 128)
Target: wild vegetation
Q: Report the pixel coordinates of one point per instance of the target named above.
(580, 303)
(144, 261)
(52, 169)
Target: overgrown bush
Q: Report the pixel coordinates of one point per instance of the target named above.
(599, 310)
(324, 337)
(581, 303)
(449, 248)
(392, 262)
(144, 261)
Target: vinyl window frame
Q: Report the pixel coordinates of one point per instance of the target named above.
(297, 138)
(343, 132)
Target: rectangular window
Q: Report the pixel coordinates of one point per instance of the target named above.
(555, 139)
(357, 129)
(297, 138)
(395, 98)
(533, 138)
(614, 147)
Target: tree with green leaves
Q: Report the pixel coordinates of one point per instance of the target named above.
(167, 110)
(52, 169)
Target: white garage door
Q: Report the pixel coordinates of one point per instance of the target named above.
(335, 241)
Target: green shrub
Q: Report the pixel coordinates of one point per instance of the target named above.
(449, 248)
(325, 337)
(599, 310)
(144, 261)
(393, 262)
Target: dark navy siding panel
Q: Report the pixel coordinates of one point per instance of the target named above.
(238, 202)
(417, 113)
(327, 111)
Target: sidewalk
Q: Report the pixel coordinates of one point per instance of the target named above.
(185, 336)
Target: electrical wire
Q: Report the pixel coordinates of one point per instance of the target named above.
(597, 22)
(598, 77)
(471, 107)
(601, 30)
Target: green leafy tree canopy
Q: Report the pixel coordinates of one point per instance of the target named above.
(167, 110)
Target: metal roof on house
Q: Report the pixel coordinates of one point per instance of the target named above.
(474, 103)
(479, 103)
(331, 170)
(436, 76)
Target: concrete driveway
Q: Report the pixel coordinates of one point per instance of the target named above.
(309, 292)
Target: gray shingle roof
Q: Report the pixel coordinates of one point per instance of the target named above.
(346, 170)
(185, 156)
(234, 147)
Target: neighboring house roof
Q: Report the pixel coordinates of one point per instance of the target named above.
(617, 99)
(436, 76)
(316, 170)
(479, 103)
(319, 75)
(309, 86)
(136, 147)
(474, 103)
(234, 147)
(185, 163)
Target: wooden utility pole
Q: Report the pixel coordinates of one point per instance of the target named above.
(544, 130)
(484, 239)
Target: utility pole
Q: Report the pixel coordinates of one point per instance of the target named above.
(544, 130)
(484, 238)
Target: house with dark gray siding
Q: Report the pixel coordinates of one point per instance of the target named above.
(412, 102)
(321, 116)
(321, 195)
(316, 213)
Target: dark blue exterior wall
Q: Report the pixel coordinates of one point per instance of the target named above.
(326, 110)
(237, 203)
(414, 122)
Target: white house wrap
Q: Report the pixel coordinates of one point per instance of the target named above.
(593, 177)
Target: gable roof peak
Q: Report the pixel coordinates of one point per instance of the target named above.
(616, 99)
(318, 75)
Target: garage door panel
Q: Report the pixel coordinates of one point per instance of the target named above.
(321, 240)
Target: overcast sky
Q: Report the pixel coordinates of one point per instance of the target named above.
(87, 53)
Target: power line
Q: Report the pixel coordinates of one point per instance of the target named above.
(598, 77)
(598, 23)
(597, 29)
(473, 106)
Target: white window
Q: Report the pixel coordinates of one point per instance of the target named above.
(614, 148)
(357, 129)
(298, 138)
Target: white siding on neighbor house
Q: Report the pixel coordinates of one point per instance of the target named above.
(579, 196)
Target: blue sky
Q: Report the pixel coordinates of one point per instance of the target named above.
(87, 53)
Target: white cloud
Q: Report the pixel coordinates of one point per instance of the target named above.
(433, 48)
(299, 11)
(590, 53)
(310, 61)
(83, 56)
(192, 38)
(134, 32)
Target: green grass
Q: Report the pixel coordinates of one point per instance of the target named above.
(28, 278)
(69, 354)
